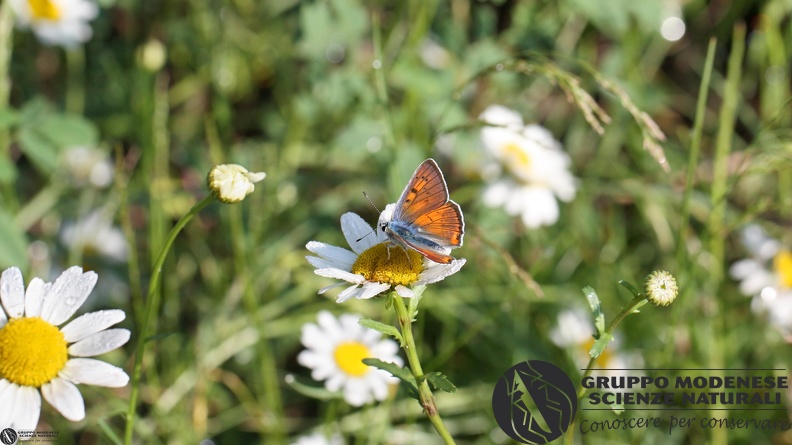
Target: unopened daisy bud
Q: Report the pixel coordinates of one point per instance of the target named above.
(230, 183)
(660, 288)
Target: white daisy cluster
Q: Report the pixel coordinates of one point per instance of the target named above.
(57, 22)
(767, 277)
(335, 348)
(537, 168)
(38, 359)
(374, 265)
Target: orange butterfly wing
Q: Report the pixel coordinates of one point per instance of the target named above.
(444, 222)
(426, 191)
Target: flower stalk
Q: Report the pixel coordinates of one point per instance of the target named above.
(425, 396)
(152, 305)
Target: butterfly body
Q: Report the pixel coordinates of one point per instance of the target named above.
(424, 218)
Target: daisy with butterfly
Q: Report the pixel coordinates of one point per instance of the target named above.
(411, 247)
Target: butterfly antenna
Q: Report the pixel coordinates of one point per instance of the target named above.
(371, 202)
(378, 211)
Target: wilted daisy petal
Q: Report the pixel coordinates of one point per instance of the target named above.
(230, 183)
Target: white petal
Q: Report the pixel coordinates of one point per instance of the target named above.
(356, 392)
(34, 296)
(378, 387)
(323, 263)
(387, 350)
(501, 116)
(99, 343)
(67, 294)
(89, 324)
(405, 292)
(439, 272)
(12, 292)
(332, 286)
(332, 253)
(341, 275)
(359, 235)
(346, 294)
(93, 372)
(64, 397)
(329, 325)
(372, 289)
(313, 337)
(21, 407)
(335, 382)
(3, 318)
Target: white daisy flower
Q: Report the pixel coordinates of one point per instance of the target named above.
(57, 22)
(231, 183)
(374, 265)
(88, 166)
(335, 348)
(767, 277)
(537, 167)
(319, 439)
(95, 233)
(38, 359)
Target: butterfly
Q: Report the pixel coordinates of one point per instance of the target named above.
(424, 218)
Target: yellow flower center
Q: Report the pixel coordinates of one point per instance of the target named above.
(44, 10)
(782, 263)
(515, 158)
(32, 351)
(349, 358)
(385, 263)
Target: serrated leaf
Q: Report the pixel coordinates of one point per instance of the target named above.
(314, 392)
(13, 242)
(38, 148)
(412, 306)
(8, 117)
(66, 130)
(382, 328)
(596, 309)
(395, 370)
(600, 345)
(440, 381)
(629, 286)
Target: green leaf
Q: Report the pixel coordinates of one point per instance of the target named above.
(440, 381)
(68, 130)
(381, 327)
(314, 392)
(600, 344)
(397, 371)
(633, 290)
(596, 309)
(412, 307)
(38, 148)
(13, 242)
(8, 117)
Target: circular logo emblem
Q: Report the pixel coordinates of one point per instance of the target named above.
(8, 436)
(534, 402)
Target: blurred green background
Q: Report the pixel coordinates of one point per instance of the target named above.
(166, 89)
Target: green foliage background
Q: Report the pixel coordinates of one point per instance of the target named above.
(289, 88)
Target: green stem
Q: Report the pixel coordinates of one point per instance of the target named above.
(75, 91)
(424, 392)
(626, 310)
(7, 194)
(151, 309)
